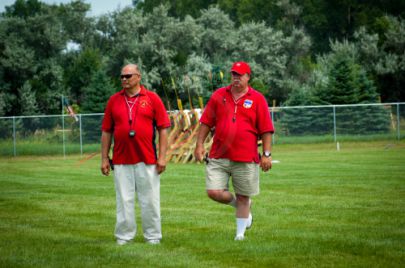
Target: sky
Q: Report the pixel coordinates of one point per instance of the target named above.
(98, 7)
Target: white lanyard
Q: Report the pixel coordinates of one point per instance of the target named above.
(130, 108)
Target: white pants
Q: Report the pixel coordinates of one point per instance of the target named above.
(141, 180)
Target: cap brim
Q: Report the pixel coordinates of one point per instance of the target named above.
(238, 72)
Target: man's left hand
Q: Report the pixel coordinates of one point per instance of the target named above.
(265, 163)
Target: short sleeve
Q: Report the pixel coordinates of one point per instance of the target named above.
(161, 117)
(265, 123)
(108, 123)
(208, 116)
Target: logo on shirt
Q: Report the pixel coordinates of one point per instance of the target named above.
(247, 104)
(143, 103)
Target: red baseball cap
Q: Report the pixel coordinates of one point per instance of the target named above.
(241, 68)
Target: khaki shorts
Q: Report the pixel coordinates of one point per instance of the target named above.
(245, 176)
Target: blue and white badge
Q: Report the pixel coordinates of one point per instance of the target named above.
(247, 104)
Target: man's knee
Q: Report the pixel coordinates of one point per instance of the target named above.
(214, 194)
(242, 199)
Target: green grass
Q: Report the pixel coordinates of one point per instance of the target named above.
(37, 146)
(318, 207)
(43, 148)
(306, 139)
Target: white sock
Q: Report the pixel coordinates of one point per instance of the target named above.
(241, 224)
(233, 202)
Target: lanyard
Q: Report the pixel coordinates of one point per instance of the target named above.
(236, 106)
(130, 108)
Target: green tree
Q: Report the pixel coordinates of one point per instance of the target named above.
(24, 8)
(177, 8)
(27, 100)
(382, 55)
(79, 70)
(2, 104)
(218, 34)
(76, 24)
(298, 120)
(339, 79)
(31, 50)
(97, 93)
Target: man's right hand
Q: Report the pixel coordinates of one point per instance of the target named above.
(105, 166)
(199, 153)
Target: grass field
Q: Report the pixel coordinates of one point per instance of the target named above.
(318, 207)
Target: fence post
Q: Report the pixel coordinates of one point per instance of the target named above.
(14, 138)
(63, 130)
(398, 123)
(80, 133)
(334, 123)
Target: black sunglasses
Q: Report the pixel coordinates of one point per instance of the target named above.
(127, 76)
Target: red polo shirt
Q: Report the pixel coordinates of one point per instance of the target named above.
(148, 113)
(238, 125)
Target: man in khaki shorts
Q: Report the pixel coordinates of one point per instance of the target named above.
(240, 117)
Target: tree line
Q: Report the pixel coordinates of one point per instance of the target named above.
(301, 52)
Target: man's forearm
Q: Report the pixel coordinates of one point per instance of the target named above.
(202, 134)
(266, 141)
(106, 138)
(162, 142)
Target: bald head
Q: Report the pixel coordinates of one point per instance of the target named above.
(131, 68)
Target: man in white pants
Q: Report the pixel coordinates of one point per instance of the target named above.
(132, 116)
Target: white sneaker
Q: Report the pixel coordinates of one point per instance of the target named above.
(153, 241)
(239, 237)
(122, 242)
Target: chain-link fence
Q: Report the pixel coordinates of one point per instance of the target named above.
(334, 123)
(50, 134)
(57, 134)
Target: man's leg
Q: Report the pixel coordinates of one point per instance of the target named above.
(217, 181)
(148, 190)
(222, 196)
(243, 216)
(125, 228)
(245, 179)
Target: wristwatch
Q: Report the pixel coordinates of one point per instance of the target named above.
(266, 154)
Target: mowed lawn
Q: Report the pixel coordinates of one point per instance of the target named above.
(318, 207)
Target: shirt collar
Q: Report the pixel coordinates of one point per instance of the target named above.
(228, 89)
(141, 92)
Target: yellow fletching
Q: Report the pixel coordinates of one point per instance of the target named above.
(179, 104)
(200, 100)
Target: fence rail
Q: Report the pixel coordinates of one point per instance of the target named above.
(61, 134)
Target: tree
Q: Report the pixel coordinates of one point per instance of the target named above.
(343, 81)
(177, 8)
(218, 33)
(79, 70)
(34, 38)
(27, 100)
(24, 8)
(382, 55)
(73, 17)
(305, 120)
(2, 104)
(97, 93)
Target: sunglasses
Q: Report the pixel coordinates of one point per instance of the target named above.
(127, 76)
